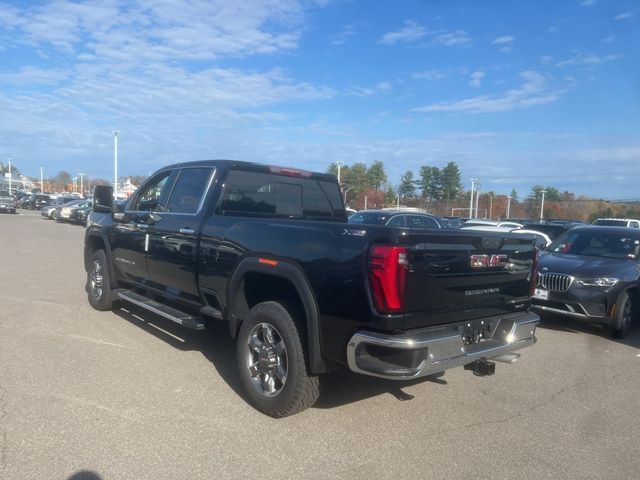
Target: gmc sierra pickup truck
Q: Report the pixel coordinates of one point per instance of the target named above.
(268, 251)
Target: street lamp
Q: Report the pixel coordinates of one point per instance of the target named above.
(41, 180)
(508, 206)
(82, 183)
(9, 176)
(477, 195)
(339, 164)
(471, 198)
(542, 204)
(115, 162)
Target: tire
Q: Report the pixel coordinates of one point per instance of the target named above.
(624, 316)
(98, 286)
(272, 363)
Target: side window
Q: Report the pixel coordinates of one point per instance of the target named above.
(416, 222)
(635, 225)
(188, 190)
(151, 198)
(397, 221)
(431, 223)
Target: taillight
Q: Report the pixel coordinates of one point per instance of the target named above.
(388, 277)
(534, 270)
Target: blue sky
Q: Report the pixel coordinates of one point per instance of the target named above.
(516, 93)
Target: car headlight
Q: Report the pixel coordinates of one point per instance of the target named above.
(597, 282)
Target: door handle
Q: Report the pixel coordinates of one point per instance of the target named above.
(142, 226)
(187, 231)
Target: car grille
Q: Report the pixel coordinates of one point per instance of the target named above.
(555, 282)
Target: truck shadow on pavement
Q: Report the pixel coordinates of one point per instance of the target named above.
(217, 346)
(570, 325)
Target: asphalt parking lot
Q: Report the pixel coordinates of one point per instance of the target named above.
(126, 395)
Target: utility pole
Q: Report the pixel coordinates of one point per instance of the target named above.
(9, 176)
(508, 206)
(542, 203)
(82, 184)
(490, 206)
(471, 198)
(115, 162)
(41, 180)
(339, 164)
(477, 195)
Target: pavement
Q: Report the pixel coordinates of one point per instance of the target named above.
(89, 395)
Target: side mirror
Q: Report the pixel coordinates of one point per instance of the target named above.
(102, 199)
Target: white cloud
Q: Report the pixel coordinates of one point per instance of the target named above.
(588, 59)
(430, 75)
(505, 42)
(624, 16)
(411, 32)
(457, 38)
(475, 79)
(378, 89)
(588, 3)
(533, 91)
(345, 34)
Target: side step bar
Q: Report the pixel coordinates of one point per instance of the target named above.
(181, 318)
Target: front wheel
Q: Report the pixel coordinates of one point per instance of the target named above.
(98, 287)
(624, 316)
(272, 362)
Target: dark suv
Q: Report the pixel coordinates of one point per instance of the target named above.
(592, 274)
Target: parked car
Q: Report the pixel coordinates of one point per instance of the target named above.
(395, 218)
(63, 212)
(48, 211)
(38, 201)
(7, 204)
(552, 230)
(618, 222)
(592, 274)
(79, 214)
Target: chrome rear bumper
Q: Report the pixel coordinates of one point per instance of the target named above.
(431, 350)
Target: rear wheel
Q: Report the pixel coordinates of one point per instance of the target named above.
(98, 283)
(272, 362)
(624, 316)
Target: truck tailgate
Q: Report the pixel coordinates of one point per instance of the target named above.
(458, 275)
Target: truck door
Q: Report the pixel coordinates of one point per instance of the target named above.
(173, 234)
(130, 240)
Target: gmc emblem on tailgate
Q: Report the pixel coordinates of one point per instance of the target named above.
(483, 261)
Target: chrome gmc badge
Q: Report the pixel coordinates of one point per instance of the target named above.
(484, 261)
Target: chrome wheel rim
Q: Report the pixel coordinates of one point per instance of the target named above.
(266, 359)
(95, 279)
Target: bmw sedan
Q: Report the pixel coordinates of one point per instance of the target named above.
(592, 274)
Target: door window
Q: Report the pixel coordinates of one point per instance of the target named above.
(397, 221)
(153, 197)
(188, 190)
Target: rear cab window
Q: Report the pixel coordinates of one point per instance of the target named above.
(249, 193)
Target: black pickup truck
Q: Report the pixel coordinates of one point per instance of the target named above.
(268, 250)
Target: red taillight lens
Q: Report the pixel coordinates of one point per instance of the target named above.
(534, 270)
(388, 277)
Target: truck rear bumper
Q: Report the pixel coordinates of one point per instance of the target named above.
(431, 350)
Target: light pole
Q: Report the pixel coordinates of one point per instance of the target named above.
(542, 203)
(82, 184)
(490, 206)
(115, 162)
(9, 176)
(339, 164)
(41, 180)
(477, 196)
(471, 198)
(508, 206)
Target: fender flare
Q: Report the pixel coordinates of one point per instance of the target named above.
(293, 274)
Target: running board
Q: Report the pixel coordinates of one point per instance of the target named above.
(181, 318)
